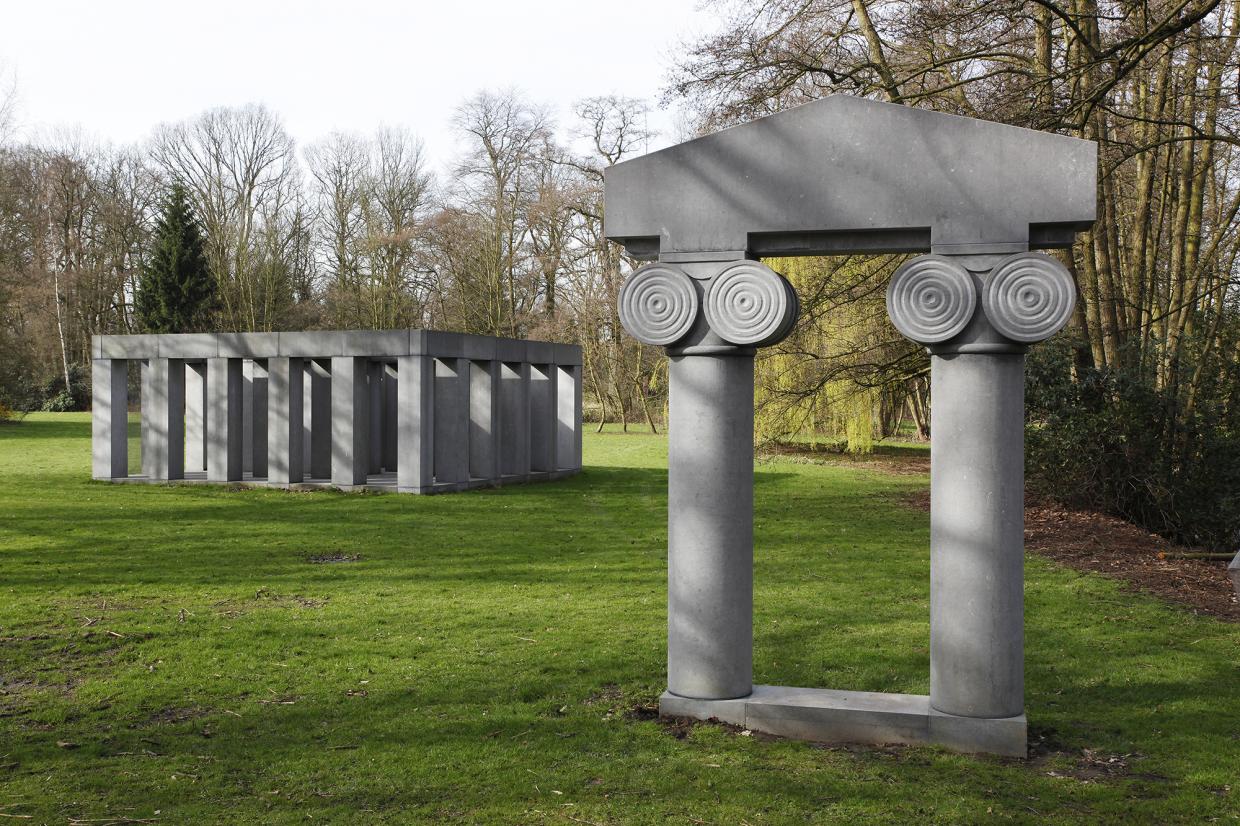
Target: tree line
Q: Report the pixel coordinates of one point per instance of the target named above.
(352, 231)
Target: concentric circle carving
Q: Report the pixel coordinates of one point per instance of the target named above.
(1029, 297)
(658, 304)
(750, 304)
(931, 299)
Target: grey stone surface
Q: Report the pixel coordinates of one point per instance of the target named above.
(543, 411)
(196, 416)
(1233, 570)
(830, 716)
(568, 417)
(350, 422)
(224, 420)
(484, 418)
(415, 456)
(710, 526)
(514, 435)
(451, 420)
(163, 419)
(285, 420)
(340, 414)
(844, 174)
(110, 418)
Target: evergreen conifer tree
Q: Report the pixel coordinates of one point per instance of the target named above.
(176, 293)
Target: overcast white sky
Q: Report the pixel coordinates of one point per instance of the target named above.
(119, 67)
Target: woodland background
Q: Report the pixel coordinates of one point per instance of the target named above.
(1132, 410)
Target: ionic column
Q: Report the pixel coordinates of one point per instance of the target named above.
(451, 401)
(711, 317)
(415, 461)
(484, 414)
(350, 419)
(977, 315)
(285, 420)
(568, 417)
(195, 416)
(224, 419)
(163, 419)
(109, 418)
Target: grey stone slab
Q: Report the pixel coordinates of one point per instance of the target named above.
(543, 409)
(442, 344)
(163, 419)
(415, 453)
(1233, 570)
(350, 421)
(254, 417)
(109, 418)
(96, 347)
(478, 348)
(514, 419)
(568, 354)
(375, 409)
(224, 420)
(129, 347)
(484, 418)
(285, 416)
(189, 345)
(510, 349)
(195, 417)
(317, 419)
(568, 417)
(540, 352)
(847, 171)
(830, 716)
(391, 418)
(249, 345)
(452, 420)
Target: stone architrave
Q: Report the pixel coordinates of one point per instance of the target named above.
(840, 176)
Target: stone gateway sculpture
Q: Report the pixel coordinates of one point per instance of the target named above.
(848, 175)
(414, 411)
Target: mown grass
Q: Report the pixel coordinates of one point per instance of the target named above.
(170, 654)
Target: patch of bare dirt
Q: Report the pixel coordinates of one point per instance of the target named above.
(1143, 561)
(903, 461)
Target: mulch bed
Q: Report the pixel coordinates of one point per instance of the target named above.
(1095, 542)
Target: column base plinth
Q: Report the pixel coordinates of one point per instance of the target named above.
(826, 715)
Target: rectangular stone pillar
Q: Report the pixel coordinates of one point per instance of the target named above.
(376, 406)
(224, 419)
(316, 421)
(163, 419)
(542, 417)
(284, 419)
(391, 404)
(484, 420)
(451, 421)
(109, 418)
(568, 417)
(254, 418)
(416, 413)
(350, 419)
(514, 434)
(195, 417)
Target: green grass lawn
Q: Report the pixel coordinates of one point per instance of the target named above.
(170, 655)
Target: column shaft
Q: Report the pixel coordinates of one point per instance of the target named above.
(484, 413)
(374, 389)
(350, 419)
(316, 421)
(977, 535)
(514, 420)
(710, 527)
(285, 419)
(391, 406)
(163, 419)
(195, 417)
(224, 419)
(543, 413)
(568, 417)
(110, 418)
(416, 412)
(451, 420)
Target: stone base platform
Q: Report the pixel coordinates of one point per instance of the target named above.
(826, 715)
(375, 483)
